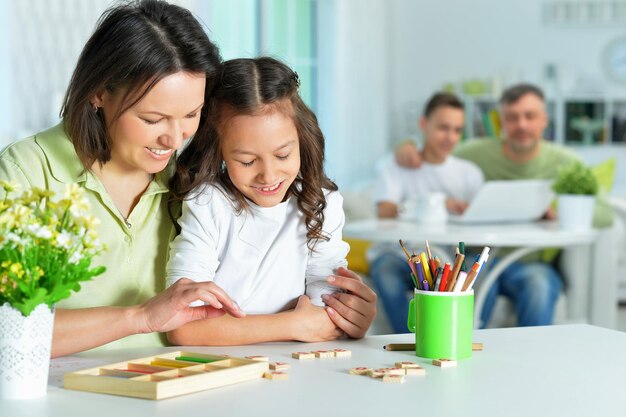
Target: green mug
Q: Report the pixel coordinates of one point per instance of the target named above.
(442, 323)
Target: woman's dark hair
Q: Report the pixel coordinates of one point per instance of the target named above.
(254, 87)
(134, 46)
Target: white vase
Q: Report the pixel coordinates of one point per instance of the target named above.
(25, 344)
(576, 211)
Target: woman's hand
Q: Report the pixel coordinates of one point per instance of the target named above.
(170, 309)
(311, 323)
(354, 310)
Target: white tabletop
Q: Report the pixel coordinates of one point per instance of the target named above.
(536, 234)
(575, 370)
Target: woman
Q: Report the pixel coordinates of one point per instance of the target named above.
(136, 95)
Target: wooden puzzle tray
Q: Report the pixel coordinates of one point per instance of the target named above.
(167, 375)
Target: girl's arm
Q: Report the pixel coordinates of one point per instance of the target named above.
(305, 323)
(353, 310)
(86, 328)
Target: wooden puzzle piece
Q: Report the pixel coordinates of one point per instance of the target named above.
(342, 353)
(258, 358)
(276, 376)
(394, 379)
(322, 354)
(361, 370)
(376, 373)
(303, 355)
(477, 347)
(415, 371)
(444, 363)
(407, 365)
(279, 366)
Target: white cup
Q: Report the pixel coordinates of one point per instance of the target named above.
(431, 208)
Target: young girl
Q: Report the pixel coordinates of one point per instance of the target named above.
(261, 219)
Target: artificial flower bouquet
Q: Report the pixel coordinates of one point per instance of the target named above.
(46, 246)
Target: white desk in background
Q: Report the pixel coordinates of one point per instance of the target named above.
(589, 263)
(573, 370)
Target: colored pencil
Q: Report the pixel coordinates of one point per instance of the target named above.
(455, 272)
(404, 249)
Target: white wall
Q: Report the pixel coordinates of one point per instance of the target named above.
(5, 72)
(433, 42)
(353, 86)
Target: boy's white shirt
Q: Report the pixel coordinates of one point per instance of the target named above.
(456, 178)
(259, 257)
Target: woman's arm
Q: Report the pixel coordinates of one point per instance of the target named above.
(305, 323)
(81, 329)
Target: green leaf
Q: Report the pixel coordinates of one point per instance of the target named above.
(575, 178)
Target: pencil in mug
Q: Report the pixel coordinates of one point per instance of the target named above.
(455, 272)
(426, 267)
(438, 275)
(420, 273)
(405, 251)
(444, 277)
(469, 281)
(460, 281)
(462, 252)
(430, 255)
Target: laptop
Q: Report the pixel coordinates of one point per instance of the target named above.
(507, 202)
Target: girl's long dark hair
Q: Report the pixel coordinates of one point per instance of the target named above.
(251, 87)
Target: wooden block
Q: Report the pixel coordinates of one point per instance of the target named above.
(415, 371)
(279, 366)
(407, 365)
(394, 379)
(324, 354)
(376, 373)
(444, 363)
(155, 382)
(342, 353)
(276, 376)
(303, 355)
(476, 347)
(361, 370)
(258, 358)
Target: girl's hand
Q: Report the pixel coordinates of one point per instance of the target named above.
(170, 309)
(353, 311)
(311, 323)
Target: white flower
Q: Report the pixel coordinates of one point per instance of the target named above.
(75, 258)
(12, 237)
(65, 239)
(79, 207)
(39, 231)
(73, 192)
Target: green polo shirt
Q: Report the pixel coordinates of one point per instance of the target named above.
(136, 254)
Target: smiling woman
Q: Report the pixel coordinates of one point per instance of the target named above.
(136, 95)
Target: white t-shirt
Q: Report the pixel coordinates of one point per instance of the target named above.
(456, 178)
(260, 257)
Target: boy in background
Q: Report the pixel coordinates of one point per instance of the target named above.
(442, 126)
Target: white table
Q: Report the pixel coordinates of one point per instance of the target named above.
(574, 370)
(590, 272)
